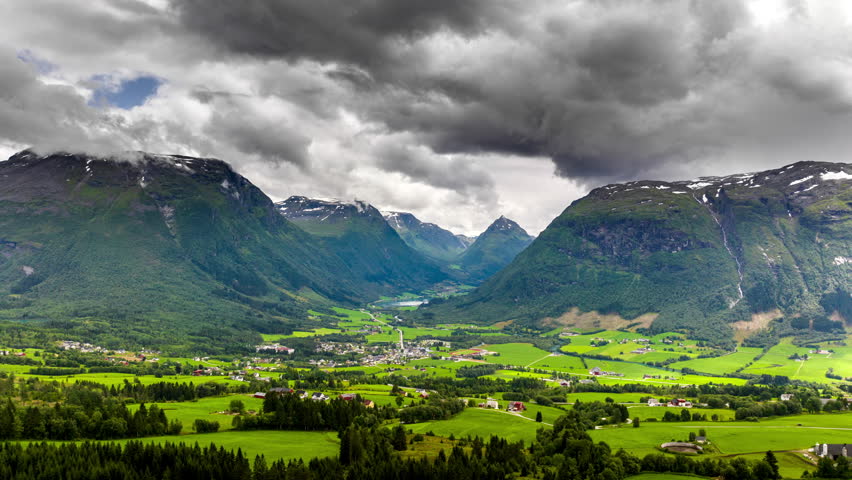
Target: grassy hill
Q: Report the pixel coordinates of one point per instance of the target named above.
(123, 250)
(697, 255)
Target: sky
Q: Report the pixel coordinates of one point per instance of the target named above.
(456, 111)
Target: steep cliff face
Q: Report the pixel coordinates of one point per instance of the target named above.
(700, 253)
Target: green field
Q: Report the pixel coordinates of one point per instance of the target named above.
(520, 354)
(777, 362)
(721, 365)
(735, 438)
(274, 445)
(482, 422)
(206, 409)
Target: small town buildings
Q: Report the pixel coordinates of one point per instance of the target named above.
(516, 407)
(833, 450)
(274, 348)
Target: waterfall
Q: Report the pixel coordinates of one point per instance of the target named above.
(728, 248)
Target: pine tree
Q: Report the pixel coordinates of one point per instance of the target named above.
(538, 417)
(398, 440)
(773, 462)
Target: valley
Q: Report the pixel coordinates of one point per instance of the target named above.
(285, 333)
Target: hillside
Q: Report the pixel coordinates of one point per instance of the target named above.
(358, 234)
(694, 255)
(148, 244)
(495, 248)
(427, 238)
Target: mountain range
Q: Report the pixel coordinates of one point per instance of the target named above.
(127, 248)
(706, 255)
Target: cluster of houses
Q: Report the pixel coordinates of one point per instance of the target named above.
(675, 402)
(83, 347)
(820, 352)
(6, 353)
(598, 372)
(275, 348)
(642, 350)
(316, 396)
(657, 377)
(511, 407)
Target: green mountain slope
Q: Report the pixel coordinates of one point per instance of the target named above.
(155, 250)
(495, 248)
(427, 238)
(360, 236)
(699, 254)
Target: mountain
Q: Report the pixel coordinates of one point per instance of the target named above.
(495, 248)
(427, 238)
(358, 233)
(704, 256)
(136, 246)
(465, 240)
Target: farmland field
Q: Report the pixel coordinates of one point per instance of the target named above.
(721, 365)
(482, 422)
(274, 445)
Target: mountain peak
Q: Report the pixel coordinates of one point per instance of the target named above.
(505, 224)
(300, 208)
(427, 238)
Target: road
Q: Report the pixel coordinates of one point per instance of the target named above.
(399, 330)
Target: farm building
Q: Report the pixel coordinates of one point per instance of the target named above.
(786, 397)
(490, 403)
(347, 396)
(516, 407)
(369, 404)
(653, 402)
(319, 397)
(259, 395)
(679, 402)
(596, 371)
(833, 450)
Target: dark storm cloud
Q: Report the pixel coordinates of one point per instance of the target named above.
(360, 32)
(605, 89)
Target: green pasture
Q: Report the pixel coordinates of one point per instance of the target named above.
(721, 365)
(521, 354)
(274, 445)
(205, 409)
(484, 423)
(790, 464)
(734, 438)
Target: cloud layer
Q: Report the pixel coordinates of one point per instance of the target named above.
(457, 111)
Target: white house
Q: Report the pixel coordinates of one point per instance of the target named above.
(786, 397)
(653, 402)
